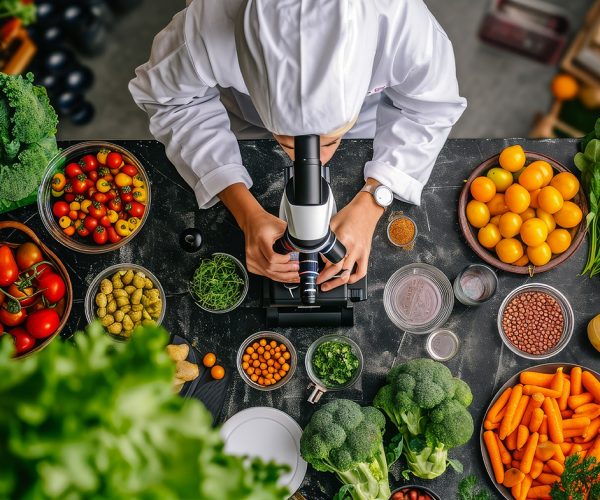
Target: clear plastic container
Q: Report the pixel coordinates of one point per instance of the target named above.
(475, 284)
(244, 275)
(418, 298)
(280, 339)
(568, 316)
(94, 288)
(46, 200)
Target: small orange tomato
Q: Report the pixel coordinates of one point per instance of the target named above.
(512, 158)
(569, 215)
(532, 178)
(510, 223)
(209, 359)
(547, 218)
(559, 240)
(523, 261)
(528, 214)
(550, 200)
(509, 250)
(497, 205)
(478, 214)
(489, 236)
(546, 170)
(540, 255)
(517, 198)
(483, 189)
(534, 232)
(217, 372)
(122, 180)
(495, 220)
(534, 198)
(566, 184)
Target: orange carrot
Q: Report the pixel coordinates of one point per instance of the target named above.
(571, 433)
(542, 491)
(592, 384)
(494, 453)
(511, 408)
(519, 412)
(511, 441)
(558, 381)
(498, 418)
(557, 411)
(587, 408)
(515, 464)
(537, 466)
(576, 423)
(544, 426)
(576, 381)
(529, 453)
(565, 447)
(490, 426)
(554, 425)
(531, 389)
(537, 398)
(535, 378)
(559, 456)
(576, 448)
(545, 451)
(522, 436)
(516, 490)
(548, 478)
(518, 454)
(504, 453)
(566, 392)
(592, 431)
(543, 438)
(499, 404)
(591, 414)
(556, 467)
(579, 399)
(594, 450)
(525, 486)
(566, 413)
(536, 420)
(512, 477)
(586, 446)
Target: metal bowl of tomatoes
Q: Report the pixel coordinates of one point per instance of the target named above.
(35, 292)
(95, 197)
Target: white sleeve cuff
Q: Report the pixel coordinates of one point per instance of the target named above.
(211, 184)
(405, 187)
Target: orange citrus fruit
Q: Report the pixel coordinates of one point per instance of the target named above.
(559, 240)
(528, 214)
(569, 215)
(532, 178)
(517, 198)
(564, 87)
(512, 158)
(509, 250)
(209, 359)
(489, 236)
(540, 255)
(501, 178)
(217, 372)
(478, 213)
(483, 189)
(550, 200)
(534, 232)
(547, 218)
(509, 225)
(566, 184)
(497, 205)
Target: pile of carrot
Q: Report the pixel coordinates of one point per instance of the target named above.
(535, 425)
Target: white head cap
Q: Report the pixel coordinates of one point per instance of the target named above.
(307, 64)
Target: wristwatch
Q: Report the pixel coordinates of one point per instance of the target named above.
(382, 195)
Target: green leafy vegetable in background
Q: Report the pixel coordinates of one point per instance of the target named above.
(217, 284)
(469, 489)
(335, 363)
(429, 408)
(346, 439)
(21, 9)
(588, 162)
(579, 481)
(97, 419)
(27, 136)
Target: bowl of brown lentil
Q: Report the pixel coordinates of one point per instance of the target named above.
(536, 321)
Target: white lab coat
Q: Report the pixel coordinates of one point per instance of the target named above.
(193, 91)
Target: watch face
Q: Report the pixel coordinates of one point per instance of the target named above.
(384, 196)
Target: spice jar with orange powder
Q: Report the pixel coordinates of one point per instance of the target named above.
(401, 231)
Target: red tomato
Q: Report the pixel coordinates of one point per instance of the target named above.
(81, 229)
(73, 170)
(100, 235)
(80, 184)
(42, 268)
(91, 192)
(2, 297)
(73, 214)
(24, 295)
(105, 221)
(113, 237)
(97, 210)
(135, 209)
(69, 188)
(88, 163)
(1, 329)
(53, 287)
(112, 194)
(10, 319)
(89, 183)
(28, 254)
(9, 271)
(82, 215)
(60, 208)
(23, 341)
(42, 323)
(114, 160)
(93, 175)
(69, 197)
(130, 170)
(90, 223)
(115, 204)
(100, 197)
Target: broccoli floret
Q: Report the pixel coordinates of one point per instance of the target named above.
(347, 440)
(463, 392)
(450, 424)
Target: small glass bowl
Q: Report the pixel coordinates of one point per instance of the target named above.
(93, 289)
(567, 311)
(404, 316)
(280, 339)
(46, 200)
(411, 243)
(418, 487)
(244, 275)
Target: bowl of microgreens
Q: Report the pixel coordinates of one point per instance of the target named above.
(333, 362)
(219, 283)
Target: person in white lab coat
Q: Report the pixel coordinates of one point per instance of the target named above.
(229, 69)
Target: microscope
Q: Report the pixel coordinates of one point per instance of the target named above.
(307, 206)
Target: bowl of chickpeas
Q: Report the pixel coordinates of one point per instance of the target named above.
(266, 361)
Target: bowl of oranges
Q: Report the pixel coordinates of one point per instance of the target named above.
(522, 212)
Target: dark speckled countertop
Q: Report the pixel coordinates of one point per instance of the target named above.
(483, 360)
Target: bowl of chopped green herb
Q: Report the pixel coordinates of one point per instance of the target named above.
(219, 284)
(333, 362)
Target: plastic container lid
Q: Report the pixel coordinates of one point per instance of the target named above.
(442, 345)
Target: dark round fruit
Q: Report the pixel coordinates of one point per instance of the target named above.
(191, 240)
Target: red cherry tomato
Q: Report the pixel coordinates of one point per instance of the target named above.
(9, 271)
(89, 183)
(82, 215)
(100, 235)
(23, 341)
(42, 323)
(130, 170)
(73, 170)
(24, 295)
(69, 188)
(82, 231)
(90, 223)
(114, 160)
(12, 319)
(135, 209)
(42, 268)
(52, 286)
(97, 210)
(100, 197)
(105, 221)
(88, 163)
(28, 254)
(80, 184)
(73, 214)
(115, 204)
(69, 197)
(113, 237)
(60, 208)
(93, 176)
(112, 194)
